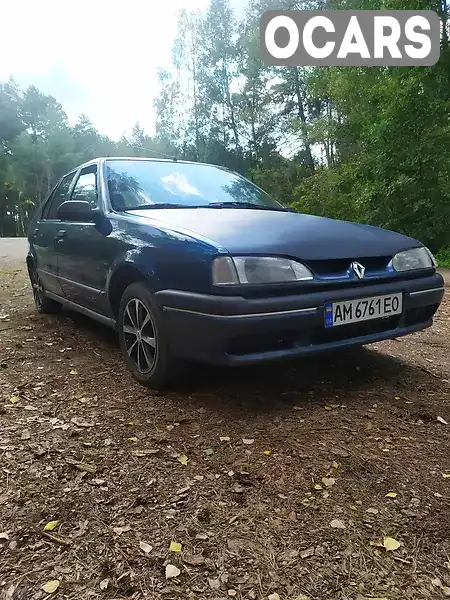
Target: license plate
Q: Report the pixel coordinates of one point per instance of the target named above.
(362, 309)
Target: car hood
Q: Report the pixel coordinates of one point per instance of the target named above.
(307, 237)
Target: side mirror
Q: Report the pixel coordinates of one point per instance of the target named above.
(76, 210)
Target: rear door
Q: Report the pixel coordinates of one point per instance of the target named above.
(83, 251)
(45, 235)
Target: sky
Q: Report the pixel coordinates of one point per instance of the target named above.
(96, 57)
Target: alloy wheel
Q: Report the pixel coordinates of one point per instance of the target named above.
(139, 335)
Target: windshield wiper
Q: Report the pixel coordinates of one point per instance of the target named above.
(237, 204)
(161, 205)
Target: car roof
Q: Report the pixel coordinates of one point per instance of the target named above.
(102, 159)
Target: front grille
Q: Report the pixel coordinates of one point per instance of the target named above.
(339, 266)
(322, 335)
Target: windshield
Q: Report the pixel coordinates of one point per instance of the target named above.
(152, 184)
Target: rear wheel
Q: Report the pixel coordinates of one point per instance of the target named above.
(142, 340)
(41, 302)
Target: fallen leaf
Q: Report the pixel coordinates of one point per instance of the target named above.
(328, 481)
(172, 571)
(335, 465)
(51, 525)
(274, 596)
(441, 420)
(391, 495)
(104, 584)
(51, 586)
(208, 451)
(267, 452)
(372, 511)
(132, 439)
(175, 546)
(183, 459)
(337, 524)
(14, 399)
(390, 543)
(4, 535)
(145, 547)
(232, 593)
(446, 475)
(307, 553)
(247, 441)
(224, 438)
(238, 489)
(74, 372)
(194, 559)
(26, 435)
(214, 584)
(318, 487)
(120, 530)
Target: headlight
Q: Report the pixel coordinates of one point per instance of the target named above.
(257, 270)
(415, 258)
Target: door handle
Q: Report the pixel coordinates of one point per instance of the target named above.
(35, 234)
(60, 235)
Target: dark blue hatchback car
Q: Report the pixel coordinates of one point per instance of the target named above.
(193, 261)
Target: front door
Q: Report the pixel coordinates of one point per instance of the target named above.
(45, 236)
(83, 251)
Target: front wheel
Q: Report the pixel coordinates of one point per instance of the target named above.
(142, 340)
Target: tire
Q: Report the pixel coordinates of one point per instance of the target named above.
(43, 304)
(142, 340)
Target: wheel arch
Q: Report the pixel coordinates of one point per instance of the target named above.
(121, 277)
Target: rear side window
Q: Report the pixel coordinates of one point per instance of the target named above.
(86, 187)
(59, 196)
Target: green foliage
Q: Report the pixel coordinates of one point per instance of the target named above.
(443, 258)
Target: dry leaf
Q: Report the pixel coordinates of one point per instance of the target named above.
(214, 584)
(274, 596)
(74, 372)
(208, 451)
(372, 511)
(14, 399)
(247, 441)
(224, 438)
(446, 475)
(4, 535)
(328, 481)
(104, 584)
(391, 495)
(194, 559)
(145, 547)
(441, 420)
(267, 452)
(337, 524)
(172, 571)
(390, 543)
(120, 530)
(51, 586)
(318, 487)
(132, 439)
(183, 459)
(51, 525)
(175, 546)
(307, 553)
(335, 465)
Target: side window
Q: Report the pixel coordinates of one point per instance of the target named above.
(86, 186)
(59, 196)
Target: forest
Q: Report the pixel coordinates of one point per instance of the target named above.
(368, 144)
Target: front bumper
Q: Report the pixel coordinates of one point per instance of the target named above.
(234, 330)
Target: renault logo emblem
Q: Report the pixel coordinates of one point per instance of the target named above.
(358, 269)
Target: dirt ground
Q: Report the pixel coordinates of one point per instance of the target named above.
(287, 479)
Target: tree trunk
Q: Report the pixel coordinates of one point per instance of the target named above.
(302, 117)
